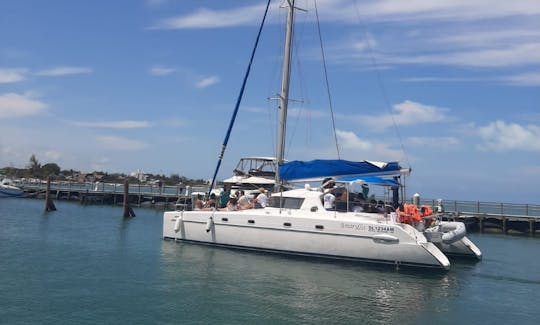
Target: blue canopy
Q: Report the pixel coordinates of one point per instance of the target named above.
(374, 180)
(315, 169)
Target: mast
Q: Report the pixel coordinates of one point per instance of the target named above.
(284, 94)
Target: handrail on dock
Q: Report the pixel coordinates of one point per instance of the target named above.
(456, 207)
(114, 188)
(487, 208)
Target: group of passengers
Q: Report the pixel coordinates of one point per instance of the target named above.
(228, 201)
(339, 199)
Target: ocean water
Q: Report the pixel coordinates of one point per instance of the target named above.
(87, 265)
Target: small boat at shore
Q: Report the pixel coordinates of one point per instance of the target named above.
(9, 190)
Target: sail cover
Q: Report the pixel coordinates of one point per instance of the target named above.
(316, 169)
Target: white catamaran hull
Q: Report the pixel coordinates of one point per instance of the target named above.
(284, 233)
(463, 247)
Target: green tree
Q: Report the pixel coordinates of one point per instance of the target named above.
(50, 169)
(34, 167)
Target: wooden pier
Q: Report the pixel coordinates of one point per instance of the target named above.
(484, 222)
(507, 218)
(166, 197)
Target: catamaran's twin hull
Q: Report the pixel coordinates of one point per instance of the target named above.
(461, 248)
(283, 233)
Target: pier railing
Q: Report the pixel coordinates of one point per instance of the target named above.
(142, 189)
(452, 206)
(488, 208)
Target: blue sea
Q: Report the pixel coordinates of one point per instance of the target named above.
(88, 265)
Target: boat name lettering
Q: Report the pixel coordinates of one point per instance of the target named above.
(385, 229)
(354, 226)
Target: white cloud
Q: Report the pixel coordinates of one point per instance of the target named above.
(100, 164)
(444, 142)
(120, 143)
(253, 109)
(346, 11)
(113, 124)
(207, 82)
(206, 18)
(348, 139)
(15, 105)
(12, 75)
(63, 71)
(452, 10)
(406, 113)
(491, 37)
(304, 112)
(508, 36)
(52, 155)
(161, 71)
(441, 79)
(359, 149)
(525, 79)
(517, 55)
(175, 122)
(500, 136)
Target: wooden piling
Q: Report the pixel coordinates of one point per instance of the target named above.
(128, 211)
(481, 224)
(49, 204)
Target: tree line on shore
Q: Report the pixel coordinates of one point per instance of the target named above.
(35, 170)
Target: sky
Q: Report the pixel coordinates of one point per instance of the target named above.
(449, 88)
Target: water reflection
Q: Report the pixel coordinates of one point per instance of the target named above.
(293, 289)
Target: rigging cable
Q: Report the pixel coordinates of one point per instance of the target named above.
(238, 101)
(326, 79)
(381, 85)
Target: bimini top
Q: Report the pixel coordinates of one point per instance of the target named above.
(371, 180)
(316, 169)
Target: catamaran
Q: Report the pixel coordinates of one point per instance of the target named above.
(296, 221)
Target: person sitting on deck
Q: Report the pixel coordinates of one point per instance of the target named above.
(243, 201)
(261, 199)
(232, 204)
(329, 198)
(211, 203)
(224, 196)
(199, 203)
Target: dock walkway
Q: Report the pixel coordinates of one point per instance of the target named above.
(111, 193)
(492, 216)
(477, 216)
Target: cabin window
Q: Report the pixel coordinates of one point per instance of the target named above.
(286, 224)
(225, 219)
(251, 221)
(285, 202)
(320, 227)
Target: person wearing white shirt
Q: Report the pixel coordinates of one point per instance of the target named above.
(262, 199)
(329, 198)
